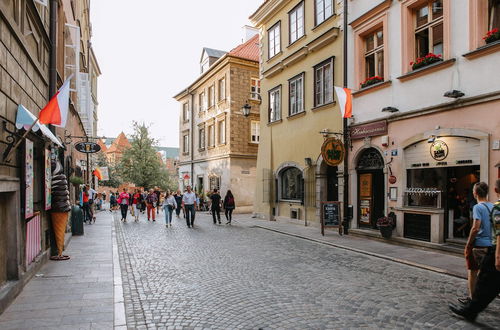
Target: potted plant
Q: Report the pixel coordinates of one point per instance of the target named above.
(371, 81)
(492, 36)
(76, 180)
(425, 61)
(385, 225)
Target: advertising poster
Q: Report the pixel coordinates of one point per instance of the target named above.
(366, 209)
(48, 181)
(29, 179)
(105, 173)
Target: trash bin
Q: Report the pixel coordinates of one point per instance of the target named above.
(76, 220)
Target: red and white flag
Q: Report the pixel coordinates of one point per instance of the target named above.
(56, 111)
(345, 101)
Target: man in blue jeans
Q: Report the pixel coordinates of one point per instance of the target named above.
(189, 205)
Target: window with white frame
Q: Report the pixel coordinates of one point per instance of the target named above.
(274, 40)
(185, 143)
(323, 83)
(201, 138)
(275, 104)
(255, 88)
(429, 28)
(296, 94)
(296, 22)
(374, 54)
(255, 132)
(221, 128)
(202, 101)
(324, 10)
(214, 182)
(185, 111)
(211, 135)
(211, 96)
(222, 89)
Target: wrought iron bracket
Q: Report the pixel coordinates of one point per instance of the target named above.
(10, 141)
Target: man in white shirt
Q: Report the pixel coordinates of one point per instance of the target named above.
(189, 205)
(92, 196)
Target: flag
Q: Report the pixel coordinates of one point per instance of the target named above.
(97, 173)
(345, 101)
(25, 119)
(56, 111)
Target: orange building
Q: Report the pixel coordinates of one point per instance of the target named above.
(115, 152)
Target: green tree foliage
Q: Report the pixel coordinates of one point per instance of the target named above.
(114, 179)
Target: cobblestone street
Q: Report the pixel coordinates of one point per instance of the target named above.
(239, 276)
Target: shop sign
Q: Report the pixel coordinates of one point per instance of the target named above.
(372, 129)
(29, 180)
(87, 147)
(330, 216)
(439, 150)
(48, 180)
(333, 151)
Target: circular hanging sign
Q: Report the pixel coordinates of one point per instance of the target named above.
(439, 150)
(87, 147)
(333, 151)
(392, 179)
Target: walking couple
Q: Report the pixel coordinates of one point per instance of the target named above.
(228, 205)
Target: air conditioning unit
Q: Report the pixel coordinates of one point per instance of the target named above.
(295, 213)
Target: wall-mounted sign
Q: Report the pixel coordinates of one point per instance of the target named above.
(333, 151)
(365, 185)
(29, 180)
(372, 129)
(87, 147)
(439, 150)
(48, 180)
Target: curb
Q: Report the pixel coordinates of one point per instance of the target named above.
(119, 319)
(376, 255)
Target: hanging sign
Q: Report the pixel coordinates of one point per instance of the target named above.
(439, 150)
(333, 151)
(87, 147)
(48, 181)
(29, 180)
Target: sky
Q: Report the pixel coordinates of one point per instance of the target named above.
(149, 50)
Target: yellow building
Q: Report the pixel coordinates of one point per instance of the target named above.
(301, 61)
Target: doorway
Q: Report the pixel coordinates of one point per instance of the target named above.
(332, 184)
(371, 188)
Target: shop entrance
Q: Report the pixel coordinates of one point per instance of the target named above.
(332, 185)
(371, 199)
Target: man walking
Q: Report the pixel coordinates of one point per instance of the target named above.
(215, 198)
(189, 205)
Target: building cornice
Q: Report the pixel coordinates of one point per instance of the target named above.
(266, 10)
(202, 160)
(370, 13)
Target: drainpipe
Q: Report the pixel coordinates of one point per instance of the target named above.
(191, 138)
(346, 132)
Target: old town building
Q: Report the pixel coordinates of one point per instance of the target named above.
(425, 129)
(115, 151)
(301, 62)
(218, 143)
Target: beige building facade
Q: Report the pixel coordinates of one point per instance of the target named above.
(218, 144)
(301, 61)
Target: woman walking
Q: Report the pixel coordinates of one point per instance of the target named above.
(169, 205)
(124, 201)
(136, 204)
(178, 200)
(229, 206)
(86, 205)
(151, 201)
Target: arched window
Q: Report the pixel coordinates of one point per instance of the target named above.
(292, 185)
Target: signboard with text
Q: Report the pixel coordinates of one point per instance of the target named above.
(367, 130)
(333, 151)
(330, 216)
(87, 147)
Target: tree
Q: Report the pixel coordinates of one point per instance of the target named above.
(141, 164)
(114, 179)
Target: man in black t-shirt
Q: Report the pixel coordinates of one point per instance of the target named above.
(216, 199)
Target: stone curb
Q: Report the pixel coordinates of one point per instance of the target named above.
(376, 255)
(120, 319)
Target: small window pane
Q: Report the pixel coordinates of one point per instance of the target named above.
(370, 65)
(380, 64)
(422, 16)
(370, 42)
(380, 38)
(437, 37)
(422, 41)
(437, 9)
(493, 14)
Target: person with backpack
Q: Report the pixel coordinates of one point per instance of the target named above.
(112, 202)
(487, 286)
(229, 206)
(215, 205)
(151, 203)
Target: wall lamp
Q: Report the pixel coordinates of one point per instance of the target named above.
(454, 94)
(246, 109)
(431, 139)
(390, 109)
(308, 161)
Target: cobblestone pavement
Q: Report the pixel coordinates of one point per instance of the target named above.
(240, 277)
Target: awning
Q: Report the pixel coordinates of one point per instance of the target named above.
(25, 119)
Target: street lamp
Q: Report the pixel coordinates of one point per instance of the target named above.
(246, 109)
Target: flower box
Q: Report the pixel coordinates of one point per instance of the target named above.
(425, 61)
(371, 81)
(385, 225)
(492, 36)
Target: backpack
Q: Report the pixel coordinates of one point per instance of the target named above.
(495, 219)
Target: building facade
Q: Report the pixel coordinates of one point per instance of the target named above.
(301, 62)
(426, 129)
(218, 143)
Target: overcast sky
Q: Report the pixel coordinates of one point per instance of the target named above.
(149, 50)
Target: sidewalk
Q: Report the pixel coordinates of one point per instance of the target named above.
(414, 256)
(73, 294)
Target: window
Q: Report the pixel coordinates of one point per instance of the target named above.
(211, 96)
(374, 54)
(323, 83)
(211, 135)
(324, 9)
(275, 104)
(202, 101)
(255, 89)
(291, 184)
(221, 128)
(214, 182)
(255, 132)
(296, 94)
(185, 111)
(185, 143)
(493, 14)
(201, 138)
(222, 89)
(274, 40)
(296, 20)
(429, 28)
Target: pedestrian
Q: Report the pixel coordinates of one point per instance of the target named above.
(189, 205)
(488, 281)
(85, 205)
(124, 201)
(143, 201)
(215, 207)
(158, 198)
(112, 202)
(169, 205)
(229, 206)
(92, 195)
(136, 204)
(178, 200)
(151, 201)
(131, 203)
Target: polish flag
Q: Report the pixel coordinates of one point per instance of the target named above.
(56, 111)
(345, 101)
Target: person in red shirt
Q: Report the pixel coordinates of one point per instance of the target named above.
(124, 201)
(86, 206)
(136, 204)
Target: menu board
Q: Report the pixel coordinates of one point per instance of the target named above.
(48, 181)
(29, 179)
(331, 214)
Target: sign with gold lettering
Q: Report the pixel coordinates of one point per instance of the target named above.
(333, 151)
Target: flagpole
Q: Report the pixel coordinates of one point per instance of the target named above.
(346, 130)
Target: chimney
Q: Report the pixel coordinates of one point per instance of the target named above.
(249, 32)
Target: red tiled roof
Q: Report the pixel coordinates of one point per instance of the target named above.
(120, 143)
(248, 50)
(102, 145)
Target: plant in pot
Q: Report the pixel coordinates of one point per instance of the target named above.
(492, 36)
(425, 61)
(76, 180)
(371, 81)
(385, 225)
